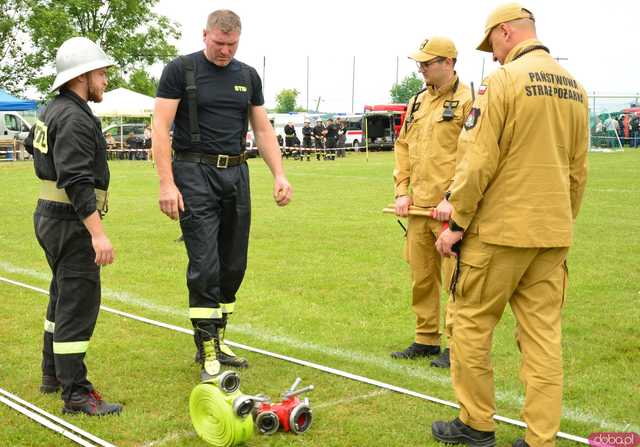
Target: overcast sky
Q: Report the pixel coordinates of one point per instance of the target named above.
(599, 40)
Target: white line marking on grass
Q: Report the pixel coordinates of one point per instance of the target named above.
(614, 190)
(123, 297)
(170, 438)
(350, 400)
(506, 397)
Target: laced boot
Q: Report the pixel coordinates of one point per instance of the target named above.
(457, 432)
(225, 355)
(90, 404)
(416, 350)
(208, 347)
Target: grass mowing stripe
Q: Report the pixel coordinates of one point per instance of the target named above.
(508, 397)
(349, 400)
(323, 368)
(170, 438)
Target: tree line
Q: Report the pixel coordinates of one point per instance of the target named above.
(129, 31)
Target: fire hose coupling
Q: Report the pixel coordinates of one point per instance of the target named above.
(243, 405)
(291, 414)
(227, 381)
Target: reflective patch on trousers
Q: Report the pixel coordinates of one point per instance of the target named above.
(205, 313)
(70, 347)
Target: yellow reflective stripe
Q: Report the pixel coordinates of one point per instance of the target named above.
(49, 326)
(227, 308)
(205, 312)
(70, 347)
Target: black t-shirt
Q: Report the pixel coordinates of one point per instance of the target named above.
(332, 131)
(223, 103)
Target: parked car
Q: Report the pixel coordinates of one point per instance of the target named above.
(124, 129)
(13, 125)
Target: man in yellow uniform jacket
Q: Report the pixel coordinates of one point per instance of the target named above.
(516, 195)
(425, 155)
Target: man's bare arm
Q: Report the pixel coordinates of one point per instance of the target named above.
(170, 198)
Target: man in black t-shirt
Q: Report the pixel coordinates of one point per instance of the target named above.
(331, 133)
(207, 186)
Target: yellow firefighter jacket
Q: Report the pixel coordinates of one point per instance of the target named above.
(425, 152)
(524, 144)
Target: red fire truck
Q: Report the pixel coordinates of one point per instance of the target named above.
(382, 123)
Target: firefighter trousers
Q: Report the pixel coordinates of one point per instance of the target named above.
(74, 295)
(215, 225)
(426, 280)
(533, 282)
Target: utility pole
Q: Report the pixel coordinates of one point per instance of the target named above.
(318, 103)
(307, 108)
(353, 83)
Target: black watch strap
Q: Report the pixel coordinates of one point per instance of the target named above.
(453, 226)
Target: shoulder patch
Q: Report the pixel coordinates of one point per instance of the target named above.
(482, 89)
(472, 119)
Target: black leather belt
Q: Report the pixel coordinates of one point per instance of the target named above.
(219, 161)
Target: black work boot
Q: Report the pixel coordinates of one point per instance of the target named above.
(224, 353)
(90, 404)
(416, 350)
(443, 361)
(226, 356)
(520, 443)
(457, 432)
(208, 346)
(50, 384)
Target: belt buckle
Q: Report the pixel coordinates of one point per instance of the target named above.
(223, 161)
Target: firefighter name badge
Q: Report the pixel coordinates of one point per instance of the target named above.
(472, 119)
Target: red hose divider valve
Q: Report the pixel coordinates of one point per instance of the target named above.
(291, 414)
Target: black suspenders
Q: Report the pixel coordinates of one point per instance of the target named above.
(192, 100)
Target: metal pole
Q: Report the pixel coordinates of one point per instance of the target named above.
(353, 83)
(366, 136)
(482, 74)
(307, 83)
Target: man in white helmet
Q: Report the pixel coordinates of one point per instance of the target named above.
(70, 159)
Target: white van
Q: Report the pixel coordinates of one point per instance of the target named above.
(13, 125)
(353, 135)
(279, 120)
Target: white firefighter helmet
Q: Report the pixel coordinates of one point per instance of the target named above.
(77, 56)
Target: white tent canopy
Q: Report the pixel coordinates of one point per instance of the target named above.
(123, 102)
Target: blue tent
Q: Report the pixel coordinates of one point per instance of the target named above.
(10, 103)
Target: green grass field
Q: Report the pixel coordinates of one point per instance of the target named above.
(326, 282)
